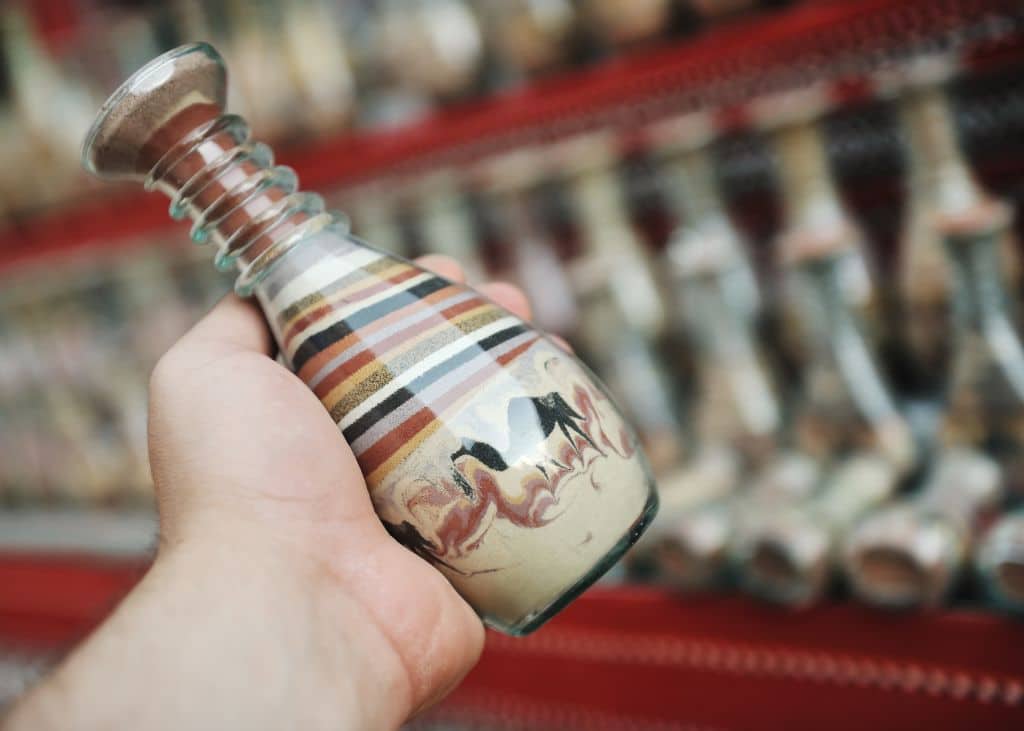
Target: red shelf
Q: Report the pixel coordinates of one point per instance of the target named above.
(637, 658)
(642, 658)
(753, 54)
(49, 602)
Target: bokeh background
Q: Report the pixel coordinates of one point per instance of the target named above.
(785, 232)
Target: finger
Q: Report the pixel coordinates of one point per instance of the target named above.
(508, 296)
(443, 266)
(560, 342)
(234, 324)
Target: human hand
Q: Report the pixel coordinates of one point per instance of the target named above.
(276, 598)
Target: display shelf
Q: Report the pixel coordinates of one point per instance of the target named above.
(643, 658)
(47, 601)
(125, 532)
(639, 657)
(722, 68)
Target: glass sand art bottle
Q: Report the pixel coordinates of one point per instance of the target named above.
(622, 314)
(506, 186)
(848, 418)
(846, 415)
(915, 552)
(814, 213)
(488, 450)
(445, 223)
(912, 552)
(999, 561)
(942, 189)
(737, 415)
(719, 302)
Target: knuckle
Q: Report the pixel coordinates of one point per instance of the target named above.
(166, 371)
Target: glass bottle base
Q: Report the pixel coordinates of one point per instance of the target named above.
(534, 620)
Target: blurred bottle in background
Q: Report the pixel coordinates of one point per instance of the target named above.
(508, 185)
(530, 37)
(940, 185)
(914, 553)
(621, 311)
(736, 419)
(845, 418)
(1000, 562)
(374, 211)
(444, 217)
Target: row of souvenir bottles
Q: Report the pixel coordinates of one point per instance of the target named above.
(791, 447)
(301, 68)
(769, 412)
(77, 342)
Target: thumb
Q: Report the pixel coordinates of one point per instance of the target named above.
(233, 325)
(230, 429)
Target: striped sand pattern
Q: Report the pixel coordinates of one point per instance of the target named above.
(391, 350)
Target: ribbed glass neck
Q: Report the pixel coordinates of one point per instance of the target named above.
(237, 198)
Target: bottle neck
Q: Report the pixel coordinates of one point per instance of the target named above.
(602, 211)
(939, 175)
(984, 321)
(696, 196)
(739, 397)
(235, 196)
(840, 351)
(809, 194)
(719, 314)
(376, 221)
(615, 265)
(980, 295)
(448, 229)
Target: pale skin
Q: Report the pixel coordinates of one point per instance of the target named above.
(276, 598)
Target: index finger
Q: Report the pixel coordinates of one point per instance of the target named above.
(233, 325)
